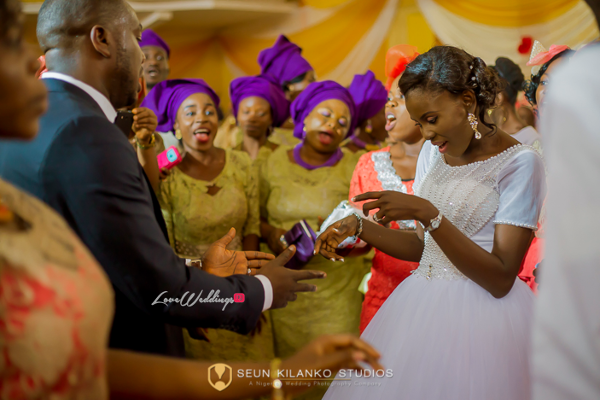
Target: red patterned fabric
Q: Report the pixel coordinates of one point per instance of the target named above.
(387, 272)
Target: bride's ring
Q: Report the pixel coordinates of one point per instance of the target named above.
(376, 219)
(249, 271)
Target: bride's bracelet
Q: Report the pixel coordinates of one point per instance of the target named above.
(360, 226)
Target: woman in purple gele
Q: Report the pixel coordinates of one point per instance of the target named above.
(293, 74)
(370, 97)
(306, 182)
(259, 105)
(157, 53)
(208, 193)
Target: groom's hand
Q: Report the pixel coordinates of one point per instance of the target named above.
(220, 261)
(285, 281)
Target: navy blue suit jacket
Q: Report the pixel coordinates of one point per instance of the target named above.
(83, 166)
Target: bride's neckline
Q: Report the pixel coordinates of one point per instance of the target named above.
(511, 148)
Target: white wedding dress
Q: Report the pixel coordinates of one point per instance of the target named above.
(441, 335)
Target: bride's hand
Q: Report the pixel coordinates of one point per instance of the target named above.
(327, 243)
(396, 206)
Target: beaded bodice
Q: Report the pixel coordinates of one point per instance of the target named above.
(467, 196)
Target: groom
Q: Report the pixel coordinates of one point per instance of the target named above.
(82, 165)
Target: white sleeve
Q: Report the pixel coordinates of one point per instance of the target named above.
(423, 163)
(522, 187)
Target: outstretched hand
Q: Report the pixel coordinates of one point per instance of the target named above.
(396, 206)
(327, 243)
(333, 353)
(220, 261)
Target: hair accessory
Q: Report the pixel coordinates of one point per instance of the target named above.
(473, 122)
(178, 134)
(396, 60)
(471, 66)
(540, 56)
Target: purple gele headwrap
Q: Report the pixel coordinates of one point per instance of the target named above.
(314, 94)
(151, 38)
(284, 61)
(166, 98)
(369, 95)
(264, 87)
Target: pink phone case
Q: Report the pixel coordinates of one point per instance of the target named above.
(169, 158)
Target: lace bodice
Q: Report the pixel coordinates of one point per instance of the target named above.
(470, 197)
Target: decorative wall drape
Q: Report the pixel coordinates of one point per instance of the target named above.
(490, 29)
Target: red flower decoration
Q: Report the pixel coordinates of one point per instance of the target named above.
(526, 45)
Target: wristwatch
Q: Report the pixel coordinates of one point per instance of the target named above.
(434, 223)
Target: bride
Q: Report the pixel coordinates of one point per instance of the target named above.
(458, 327)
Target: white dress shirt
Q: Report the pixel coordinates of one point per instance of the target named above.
(566, 331)
(111, 114)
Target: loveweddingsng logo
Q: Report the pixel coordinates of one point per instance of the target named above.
(213, 297)
(220, 376)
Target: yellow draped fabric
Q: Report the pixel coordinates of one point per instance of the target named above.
(322, 3)
(324, 44)
(508, 13)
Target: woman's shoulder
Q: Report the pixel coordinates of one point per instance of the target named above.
(525, 166)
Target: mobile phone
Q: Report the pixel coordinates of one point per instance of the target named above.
(125, 122)
(169, 158)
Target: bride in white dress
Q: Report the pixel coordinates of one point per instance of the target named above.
(458, 328)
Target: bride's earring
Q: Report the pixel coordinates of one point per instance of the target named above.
(473, 122)
(178, 134)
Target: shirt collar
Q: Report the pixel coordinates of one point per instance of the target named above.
(98, 97)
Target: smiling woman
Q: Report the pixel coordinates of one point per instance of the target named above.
(209, 192)
(306, 183)
(478, 196)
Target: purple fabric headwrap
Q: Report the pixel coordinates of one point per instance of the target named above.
(316, 93)
(166, 98)
(283, 61)
(264, 87)
(369, 95)
(151, 38)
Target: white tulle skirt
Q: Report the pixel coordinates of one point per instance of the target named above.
(447, 340)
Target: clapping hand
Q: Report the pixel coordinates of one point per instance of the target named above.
(333, 353)
(220, 261)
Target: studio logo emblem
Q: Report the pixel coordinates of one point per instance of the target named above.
(222, 376)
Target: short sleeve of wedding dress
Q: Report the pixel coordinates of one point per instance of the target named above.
(522, 188)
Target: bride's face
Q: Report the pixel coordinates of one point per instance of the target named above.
(442, 118)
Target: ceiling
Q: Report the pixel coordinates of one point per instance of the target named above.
(202, 15)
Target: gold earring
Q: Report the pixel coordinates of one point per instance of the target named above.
(490, 111)
(304, 129)
(178, 134)
(473, 122)
(369, 127)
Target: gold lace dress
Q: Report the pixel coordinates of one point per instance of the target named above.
(290, 193)
(56, 307)
(195, 219)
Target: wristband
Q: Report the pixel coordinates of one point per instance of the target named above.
(147, 146)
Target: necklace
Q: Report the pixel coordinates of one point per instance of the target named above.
(334, 159)
(364, 145)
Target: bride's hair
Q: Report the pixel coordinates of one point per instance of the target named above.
(452, 69)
